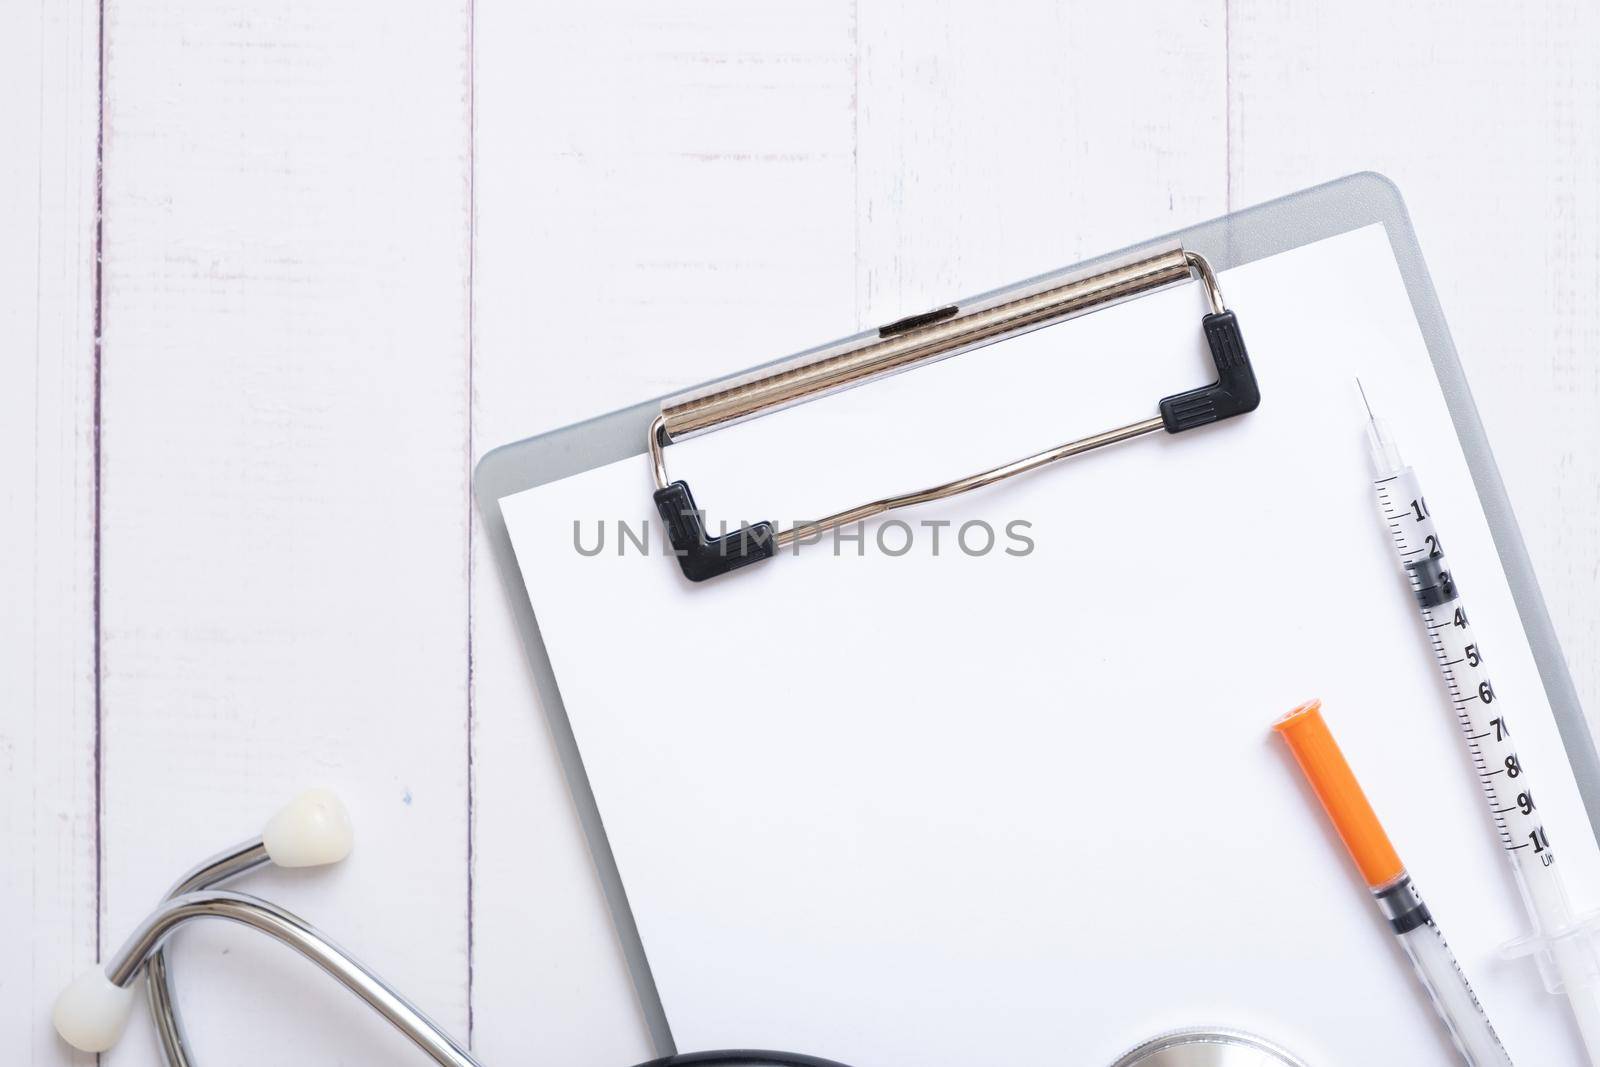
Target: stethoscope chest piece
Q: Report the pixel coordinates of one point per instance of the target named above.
(1208, 1048)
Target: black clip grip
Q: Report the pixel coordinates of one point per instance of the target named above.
(1234, 391)
(703, 557)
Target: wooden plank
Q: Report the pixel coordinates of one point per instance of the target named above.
(730, 186)
(1486, 117)
(49, 62)
(663, 195)
(284, 493)
(1001, 141)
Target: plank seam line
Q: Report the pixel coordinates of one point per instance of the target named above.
(1227, 105)
(855, 153)
(97, 454)
(472, 300)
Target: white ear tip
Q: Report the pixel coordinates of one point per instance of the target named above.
(91, 1012)
(311, 830)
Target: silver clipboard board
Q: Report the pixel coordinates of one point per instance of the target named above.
(1254, 233)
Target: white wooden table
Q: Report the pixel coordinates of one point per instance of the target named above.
(339, 250)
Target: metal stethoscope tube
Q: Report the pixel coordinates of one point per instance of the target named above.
(159, 992)
(314, 831)
(194, 897)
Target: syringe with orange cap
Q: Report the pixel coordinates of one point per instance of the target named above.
(1336, 787)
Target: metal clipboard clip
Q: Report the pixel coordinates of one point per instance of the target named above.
(921, 339)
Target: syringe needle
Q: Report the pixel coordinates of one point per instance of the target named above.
(1364, 402)
(1385, 456)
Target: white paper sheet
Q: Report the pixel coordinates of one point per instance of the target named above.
(946, 809)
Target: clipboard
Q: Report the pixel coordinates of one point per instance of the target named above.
(1236, 240)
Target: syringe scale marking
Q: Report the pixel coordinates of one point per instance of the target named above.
(1560, 941)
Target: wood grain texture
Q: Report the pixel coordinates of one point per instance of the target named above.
(49, 74)
(284, 493)
(999, 142)
(663, 195)
(290, 398)
(1486, 117)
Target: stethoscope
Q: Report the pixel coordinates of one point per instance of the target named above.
(314, 830)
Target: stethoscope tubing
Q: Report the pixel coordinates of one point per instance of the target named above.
(160, 993)
(295, 933)
(196, 896)
(314, 830)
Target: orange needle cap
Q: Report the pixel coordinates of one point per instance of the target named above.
(1335, 785)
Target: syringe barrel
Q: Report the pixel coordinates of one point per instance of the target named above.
(1457, 1006)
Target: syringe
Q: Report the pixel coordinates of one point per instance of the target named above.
(1341, 796)
(1562, 943)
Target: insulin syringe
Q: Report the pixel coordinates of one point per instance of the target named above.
(1562, 943)
(1341, 796)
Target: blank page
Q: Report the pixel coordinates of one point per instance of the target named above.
(900, 800)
